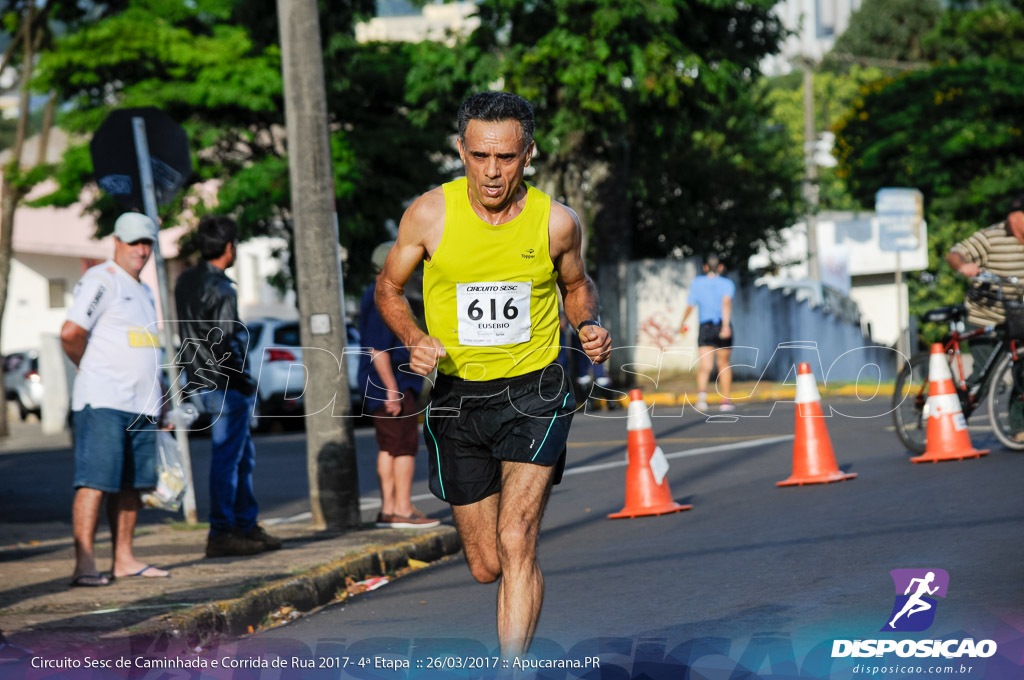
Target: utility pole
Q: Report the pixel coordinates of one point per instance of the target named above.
(810, 173)
(330, 448)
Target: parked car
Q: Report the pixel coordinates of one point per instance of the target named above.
(275, 361)
(22, 382)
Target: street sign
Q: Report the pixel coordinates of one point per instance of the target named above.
(900, 215)
(115, 159)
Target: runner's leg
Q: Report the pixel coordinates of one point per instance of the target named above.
(477, 524)
(525, 491)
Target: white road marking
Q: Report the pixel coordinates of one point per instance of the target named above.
(373, 502)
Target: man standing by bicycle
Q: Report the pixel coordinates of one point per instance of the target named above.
(998, 249)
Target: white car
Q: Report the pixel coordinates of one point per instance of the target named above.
(23, 383)
(275, 361)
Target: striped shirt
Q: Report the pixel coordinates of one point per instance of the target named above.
(997, 251)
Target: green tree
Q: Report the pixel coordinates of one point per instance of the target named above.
(32, 27)
(955, 133)
(214, 66)
(890, 29)
(649, 123)
(993, 30)
(835, 90)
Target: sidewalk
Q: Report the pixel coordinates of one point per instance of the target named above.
(682, 389)
(204, 597)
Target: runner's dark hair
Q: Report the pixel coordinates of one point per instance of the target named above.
(493, 107)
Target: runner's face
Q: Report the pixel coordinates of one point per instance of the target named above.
(495, 159)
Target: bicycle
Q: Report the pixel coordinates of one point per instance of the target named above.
(995, 379)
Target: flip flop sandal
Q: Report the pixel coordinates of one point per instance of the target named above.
(90, 581)
(141, 573)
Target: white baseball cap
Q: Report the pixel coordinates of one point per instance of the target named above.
(131, 227)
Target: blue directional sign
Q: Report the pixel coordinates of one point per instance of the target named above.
(900, 215)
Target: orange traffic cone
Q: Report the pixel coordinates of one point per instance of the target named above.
(814, 462)
(647, 490)
(946, 437)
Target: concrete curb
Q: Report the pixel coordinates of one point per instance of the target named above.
(314, 588)
(784, 393)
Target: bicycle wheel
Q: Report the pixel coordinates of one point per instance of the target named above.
(1006, 404)
(909, 399)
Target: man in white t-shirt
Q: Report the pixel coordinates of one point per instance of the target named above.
(109, 335)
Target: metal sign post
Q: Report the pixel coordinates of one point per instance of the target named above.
(173, 372)
(900, 214)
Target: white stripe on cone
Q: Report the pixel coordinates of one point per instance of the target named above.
(940, 405)
(938, 368)
(806, 389)
(637, 416)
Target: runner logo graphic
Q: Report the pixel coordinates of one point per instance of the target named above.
(914, 609)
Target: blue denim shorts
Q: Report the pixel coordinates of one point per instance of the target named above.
(114, 450)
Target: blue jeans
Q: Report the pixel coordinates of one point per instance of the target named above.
(232, 501)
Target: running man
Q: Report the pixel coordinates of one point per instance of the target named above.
(915, 604)
(496, 428)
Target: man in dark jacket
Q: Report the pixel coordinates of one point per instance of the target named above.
(213, 351)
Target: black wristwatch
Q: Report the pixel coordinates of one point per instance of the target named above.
(588, 322)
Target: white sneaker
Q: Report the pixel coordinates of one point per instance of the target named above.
(702, 403)
(726, 407)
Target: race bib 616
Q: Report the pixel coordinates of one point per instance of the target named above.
(494, 312)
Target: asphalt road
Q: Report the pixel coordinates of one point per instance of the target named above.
(754, 578)
(35, 486)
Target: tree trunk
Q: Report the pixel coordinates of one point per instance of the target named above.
(11, 195)
(330, 444)
(610, 182)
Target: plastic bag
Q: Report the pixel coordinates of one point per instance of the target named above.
(170, 473)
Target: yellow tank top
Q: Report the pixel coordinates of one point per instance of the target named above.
(489, 290)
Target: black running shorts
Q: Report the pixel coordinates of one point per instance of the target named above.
(710, 335)
(471, 426)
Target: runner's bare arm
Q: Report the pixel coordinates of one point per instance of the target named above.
(565, 237)
(418, 236)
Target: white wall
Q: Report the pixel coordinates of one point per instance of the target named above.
(259, 258)
(660, 288)
(28, 313)
(877, 302)
(772, 329)
(817, 24)
(435, 23)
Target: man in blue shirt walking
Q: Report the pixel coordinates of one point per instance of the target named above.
(712, 294)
